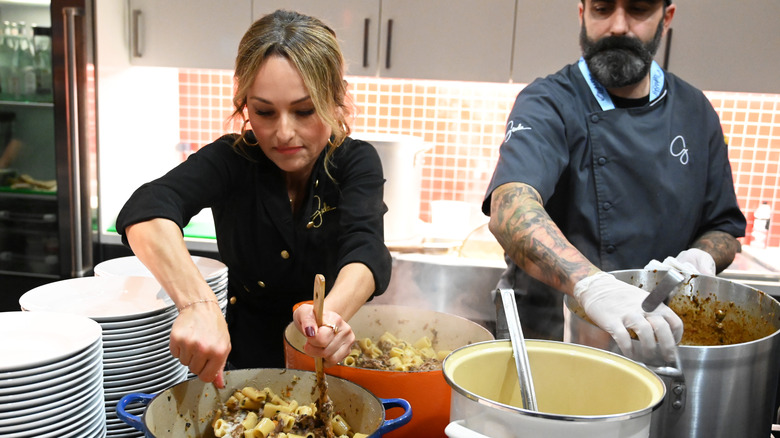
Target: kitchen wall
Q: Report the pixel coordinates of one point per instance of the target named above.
(464, 124)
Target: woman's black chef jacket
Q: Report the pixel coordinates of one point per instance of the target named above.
(272, 257)
(624, 185)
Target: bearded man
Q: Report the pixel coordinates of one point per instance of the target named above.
(609, 164)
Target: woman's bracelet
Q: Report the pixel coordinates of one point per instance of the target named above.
(208, 300)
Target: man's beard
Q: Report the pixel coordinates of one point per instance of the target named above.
(618, 61)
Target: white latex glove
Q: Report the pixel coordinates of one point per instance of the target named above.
(616, 307)
(701, 261)
(690, 261)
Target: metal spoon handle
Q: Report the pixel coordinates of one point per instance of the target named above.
(662, 290)
(518, 344)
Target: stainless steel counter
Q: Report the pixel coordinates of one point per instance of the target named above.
(758, 268)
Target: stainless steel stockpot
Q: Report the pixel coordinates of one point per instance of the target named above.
(717, 391)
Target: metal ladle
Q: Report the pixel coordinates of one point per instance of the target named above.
(527, 392)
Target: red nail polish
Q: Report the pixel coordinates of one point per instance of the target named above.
(309, 331)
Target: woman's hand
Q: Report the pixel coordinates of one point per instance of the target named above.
(200, 340)
(332, 341)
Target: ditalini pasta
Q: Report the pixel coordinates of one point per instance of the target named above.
(393, 354)
(261, 413)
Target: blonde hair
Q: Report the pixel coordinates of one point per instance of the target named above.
(312, 47)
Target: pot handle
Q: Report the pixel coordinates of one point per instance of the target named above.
(456, 429)
(132, 420)
(395, 423)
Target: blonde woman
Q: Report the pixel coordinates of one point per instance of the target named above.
(292, 196)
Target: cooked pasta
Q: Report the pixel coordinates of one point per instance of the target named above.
(391, 353)
(261, 413)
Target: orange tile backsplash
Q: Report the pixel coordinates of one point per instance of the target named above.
(463, 122)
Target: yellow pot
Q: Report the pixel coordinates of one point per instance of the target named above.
(581, 391)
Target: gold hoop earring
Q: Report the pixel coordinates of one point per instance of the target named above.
(243, 134)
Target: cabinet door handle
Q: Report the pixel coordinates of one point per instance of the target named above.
(366, 26)
(389, 42)
(136, 33)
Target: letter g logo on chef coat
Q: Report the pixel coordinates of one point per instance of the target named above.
(678, 149)
(510, 129)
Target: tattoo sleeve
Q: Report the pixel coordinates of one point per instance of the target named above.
(723, 247)
(533, 241)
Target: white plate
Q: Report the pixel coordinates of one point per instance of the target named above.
(130, 352)
(37, 404)
(161, 362)
(135, 341)
(130, 265)
(66, 375)
(55, 385)
(33, 339)
(125, 431)
(60, 414)
(114, 394)
(92, 408)
(50, 403)
(149, 375)
(36, 374)
(169, 364)
(129, 349)
(219, 285)
(92, 425)
(110, 335)
(123, 361)
(103, 299)
(137, 384)
(144, 322)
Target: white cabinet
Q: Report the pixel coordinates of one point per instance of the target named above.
(431, 39)
(718, 45)
(546, 38)
(447, 39)
(355, 22)
(187, 33)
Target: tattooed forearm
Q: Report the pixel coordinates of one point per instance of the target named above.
(721, 246)
(532, 240)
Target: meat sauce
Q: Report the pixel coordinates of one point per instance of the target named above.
(709, 322)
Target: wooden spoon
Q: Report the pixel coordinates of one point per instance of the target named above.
(324, 405)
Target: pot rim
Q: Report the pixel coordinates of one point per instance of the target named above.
(280, 371)
(379, 307)
(551, 416)
(341, 365)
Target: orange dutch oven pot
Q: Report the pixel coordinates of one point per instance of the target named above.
(427, 391)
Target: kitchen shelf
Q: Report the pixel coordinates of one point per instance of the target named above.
(26, 104)
(28, 193)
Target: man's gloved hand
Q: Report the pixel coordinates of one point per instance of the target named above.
(702, 261)
(616, 307)
(690, 261)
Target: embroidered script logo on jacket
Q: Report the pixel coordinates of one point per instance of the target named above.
(511, 129)
(322, 208)
(678, 149)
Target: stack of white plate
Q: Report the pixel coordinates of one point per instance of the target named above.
(214, 272)
(136, 316)
(51, 376)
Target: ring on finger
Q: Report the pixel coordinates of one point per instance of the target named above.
(332, 327)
